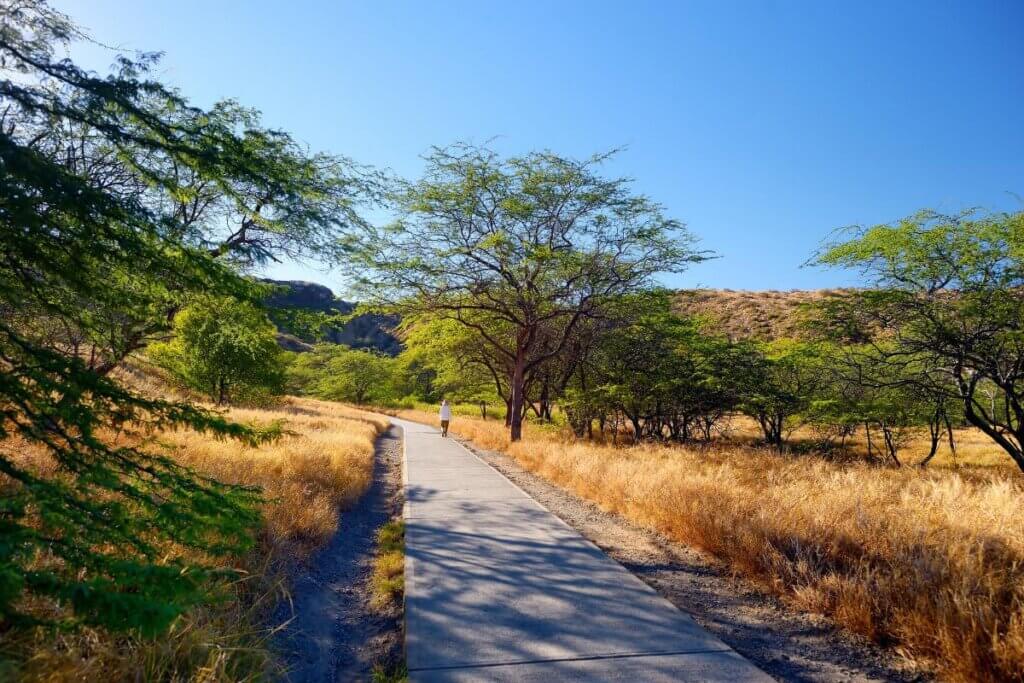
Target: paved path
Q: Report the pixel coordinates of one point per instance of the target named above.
(499, 589)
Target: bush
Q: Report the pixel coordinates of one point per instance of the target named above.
(338, 373)
(226, 349)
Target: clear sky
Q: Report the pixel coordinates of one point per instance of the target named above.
(762, 125)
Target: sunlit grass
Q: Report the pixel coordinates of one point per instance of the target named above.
(387, 583)
(321, 465)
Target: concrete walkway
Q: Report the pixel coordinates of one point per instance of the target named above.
(499, 589)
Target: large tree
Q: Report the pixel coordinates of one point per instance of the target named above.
(216, 180)
(87, 252)
(519, 250)
(948, 295)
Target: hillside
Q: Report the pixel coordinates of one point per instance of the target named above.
(362, 332)
(740, 314)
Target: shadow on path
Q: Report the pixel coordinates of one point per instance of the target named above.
(499, 589)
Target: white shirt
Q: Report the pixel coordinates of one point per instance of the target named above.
(446, 411)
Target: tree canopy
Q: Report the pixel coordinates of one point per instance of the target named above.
(948, 296)
(519, 250)
(112, 188)
(224, 348)
(338, 373)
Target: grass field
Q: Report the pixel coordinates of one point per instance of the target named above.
(974, 450)
(931, 561)
(323, 462)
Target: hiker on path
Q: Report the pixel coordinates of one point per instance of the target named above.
(446, 416)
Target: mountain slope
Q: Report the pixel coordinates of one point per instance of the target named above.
(766, 315)
(366, 331)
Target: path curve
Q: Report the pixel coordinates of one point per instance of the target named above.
(500, 589)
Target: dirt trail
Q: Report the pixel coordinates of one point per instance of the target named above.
(333, 634)
(787, 644)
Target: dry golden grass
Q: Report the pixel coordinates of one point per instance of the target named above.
(973, 448)
(322, 464)
(764, 315)
(931, 561)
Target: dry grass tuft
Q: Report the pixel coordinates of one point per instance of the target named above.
(932, 561)
(387, 584)
(323, 463)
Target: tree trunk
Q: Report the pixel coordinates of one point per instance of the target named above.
(771, 425)
(518, 398)
(968, 387)
(636, 428)
(780, 421)
(1012, 449)
(949, 432)
(483, 409)
(545, 402)
(934, 434)
(890, 443)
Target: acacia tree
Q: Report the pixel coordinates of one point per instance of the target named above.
(780, 380)
(217, 179)
(948, 293)
(518, 250)
(338, 373)
(640, 370)
(864, 388)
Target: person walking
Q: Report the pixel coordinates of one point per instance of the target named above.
(446, 416)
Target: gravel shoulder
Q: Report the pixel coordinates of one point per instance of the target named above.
(333, 633)
(787, 644)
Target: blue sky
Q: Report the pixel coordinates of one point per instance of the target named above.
(762, 125)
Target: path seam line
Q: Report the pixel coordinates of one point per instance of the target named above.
(582, 658)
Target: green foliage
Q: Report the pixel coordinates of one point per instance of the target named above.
(862, 387)
(416, 379)
(519, 251)
(669, 377)
(114, 194)
(444, 359)
(338, 373)
(780, 384)
(226, 349)
(948, 297)
(309, 326)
